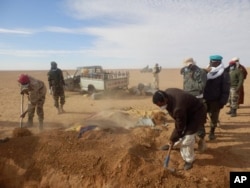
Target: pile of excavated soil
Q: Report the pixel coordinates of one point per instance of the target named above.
(115, 154)
(20, 132)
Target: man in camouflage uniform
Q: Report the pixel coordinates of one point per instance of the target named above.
(244, 72)
(194, 82)
(56, 85)
(236, 82)
(36, 92)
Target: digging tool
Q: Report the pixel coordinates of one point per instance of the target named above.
(21, 118)
(167, 158)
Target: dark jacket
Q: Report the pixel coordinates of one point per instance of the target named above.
(55, 78)
(218, 89)
(187, 111)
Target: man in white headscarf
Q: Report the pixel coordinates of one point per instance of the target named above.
(216, 91)
(244, 72)
(236, 82)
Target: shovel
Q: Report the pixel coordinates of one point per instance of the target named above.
(21, 118)
(167, 159)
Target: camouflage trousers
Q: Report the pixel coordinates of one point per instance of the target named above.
(38, 107)
(59, 97)
(233, 98)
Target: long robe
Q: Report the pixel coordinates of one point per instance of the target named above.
(241, 90)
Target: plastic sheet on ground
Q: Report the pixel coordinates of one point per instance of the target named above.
(145, 121)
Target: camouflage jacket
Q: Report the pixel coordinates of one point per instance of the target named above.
(194, 80)
(236, 78)
(36, 90)
(55, 78)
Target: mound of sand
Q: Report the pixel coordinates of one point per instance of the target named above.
(20, 132)
(112, 119)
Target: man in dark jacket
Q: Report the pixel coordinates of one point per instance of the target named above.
(56, 85)
(189, 115)
(216, 91)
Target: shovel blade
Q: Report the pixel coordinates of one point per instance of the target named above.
(166, 161)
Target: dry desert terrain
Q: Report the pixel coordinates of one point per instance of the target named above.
(116, 153)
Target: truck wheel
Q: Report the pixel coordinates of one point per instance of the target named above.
(91, 89)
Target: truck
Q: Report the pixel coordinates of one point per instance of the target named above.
(91, 79)
(146, 69)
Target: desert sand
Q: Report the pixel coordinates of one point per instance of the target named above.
(116, 153)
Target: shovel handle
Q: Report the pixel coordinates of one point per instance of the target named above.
(167, 158)
(166, 161)
(21, 118)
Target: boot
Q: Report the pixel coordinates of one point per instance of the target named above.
(40, 125)
(211, 134)
(58, 110)
(62, 110)
(202, 145)
(188, 166)
(234, 113)
(230, 111)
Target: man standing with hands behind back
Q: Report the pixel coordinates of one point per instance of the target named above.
(156, 71)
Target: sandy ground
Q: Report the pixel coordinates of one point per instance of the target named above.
(116, 153)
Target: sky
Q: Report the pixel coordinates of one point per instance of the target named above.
(121, 34)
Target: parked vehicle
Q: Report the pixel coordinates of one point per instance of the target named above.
(92, 79)
(146, 69)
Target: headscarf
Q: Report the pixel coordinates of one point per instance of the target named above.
(215, 72)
